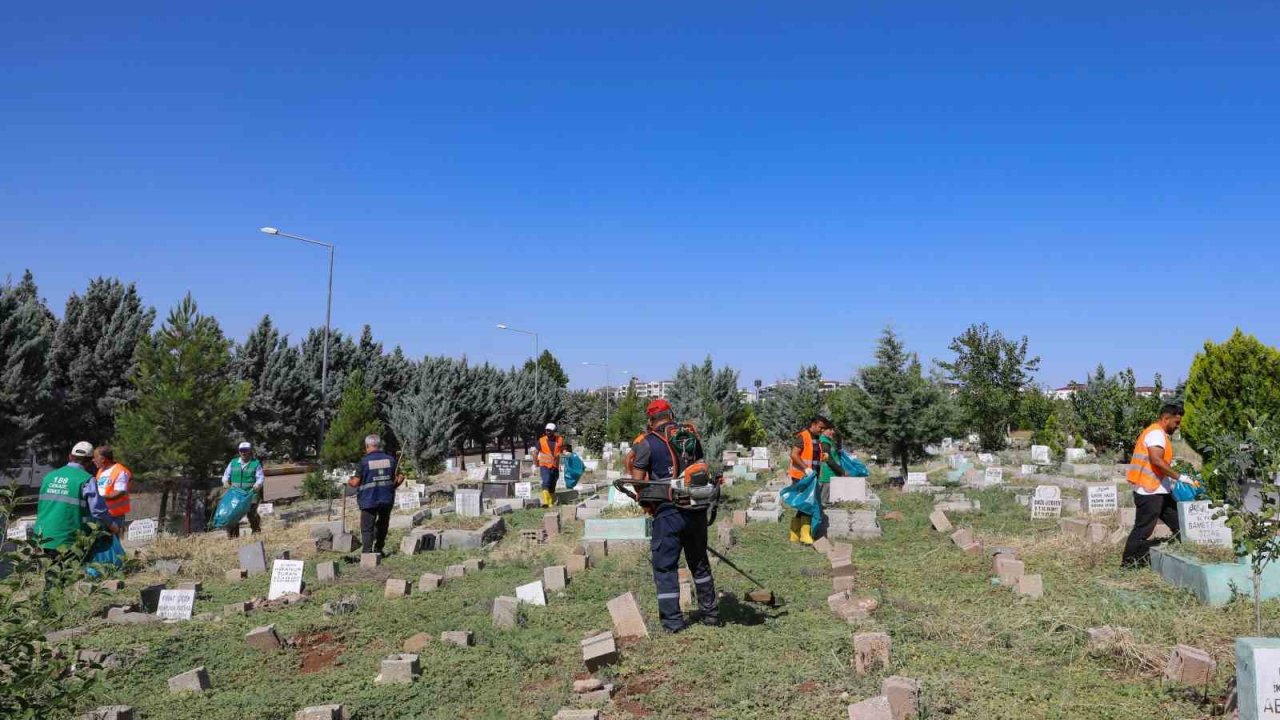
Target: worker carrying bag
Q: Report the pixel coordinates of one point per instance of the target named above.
(232, 508)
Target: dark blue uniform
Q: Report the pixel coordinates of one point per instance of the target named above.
(376, 496)
(675, 530)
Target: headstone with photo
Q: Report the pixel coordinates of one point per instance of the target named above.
(286, 578)
(141, 530)
(1101, 498)
(176, 604)
(1199, 526)
(1040, 454)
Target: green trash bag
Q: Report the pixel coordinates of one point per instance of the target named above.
(232, 508)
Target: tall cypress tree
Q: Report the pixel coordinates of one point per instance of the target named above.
(789, 407)
(278, 414)
(27, 329)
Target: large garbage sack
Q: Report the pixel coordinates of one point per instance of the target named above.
(108, 552)
(232, 508)
(853, 467)
(1186, 490)
(802, 495)
(573, 470)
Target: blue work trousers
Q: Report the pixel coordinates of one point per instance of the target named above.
(675, 530)
(550, 476)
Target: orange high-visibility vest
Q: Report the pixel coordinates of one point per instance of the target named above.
(548, 455)
(117, 497)
(810, 452)
(1141, 472)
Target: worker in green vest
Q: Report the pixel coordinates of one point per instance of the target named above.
(245, 472)
(68, 502)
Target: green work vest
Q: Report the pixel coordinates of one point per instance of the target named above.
(825, 473)
(244, 477)
(61, 511)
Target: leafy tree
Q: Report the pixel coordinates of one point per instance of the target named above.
(789, 407)
(1034, 408)
(1110, 413)
(357, 418)
(93, 354)
(1229, 384)
(749, 431)
(26, 332)
(280, 409)
(893, 408)
(551, 373)
(991, 371)
(629, 419)
(186, 398)
(1051, 435)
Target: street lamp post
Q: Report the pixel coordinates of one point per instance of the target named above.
(503, 326)
(607, 390)
(328, 311)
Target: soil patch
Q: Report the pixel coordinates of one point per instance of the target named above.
(319, 651)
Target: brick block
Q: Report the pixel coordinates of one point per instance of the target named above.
(109, 712)
(236, 575)
(554, 578)
(417, 643)
(962, 537)
(1075, 527)
(264, 638)
(461, 638)
(870, 651)
(321, 712)
(822, 545)
(903, 695)
(843, 583)
(112, 586)
(1190, 666)
(598, 550)
(1009, 570)
(1030, 585)
(599, 651)
(196, 680)
(454, 572)
(973, 548)
(839, 551)
(939, 521)
(410, 544)
(429, 582)
(876, 708)
(326, 571)
(399, 668)
(473, 565)
(760, 596)
(576, 714)
(1097, 533)
(237, 608)
(551, 524)
(370, 560)
(576, 564)
(842, 568)
(150, 597)
(724, 536)
(344, 543)
(396, 588)
(506, 612)
(628, 622)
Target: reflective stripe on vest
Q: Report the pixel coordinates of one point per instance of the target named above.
(548, 456)
(810, 452)
(1140, 471)
(117, 500)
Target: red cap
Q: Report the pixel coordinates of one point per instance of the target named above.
(658, 406)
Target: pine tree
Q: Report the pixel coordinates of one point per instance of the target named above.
(280, 402)
(991, 371)
(94, 352)
(356, 419)
(551, 373)
(27, 329)
(427, 419)
(186, 399)
(708, 398)
(342, 357)
(629, 419)
(895, 410)
(788, 409)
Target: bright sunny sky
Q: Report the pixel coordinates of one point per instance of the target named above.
(771, 184)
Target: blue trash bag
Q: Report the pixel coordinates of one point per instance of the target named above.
(573, 469)
(232, 508)
(802, 495)
(1185, 491)
(107, 552)
(853, 467)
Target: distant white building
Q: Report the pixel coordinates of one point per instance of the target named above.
(1066, 391)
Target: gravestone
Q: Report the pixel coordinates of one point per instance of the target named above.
(524, 490)
(408, 500)
(143, 530)
(531, 593)
(849, 489)
(1199, 525)
(917, 478)
(1258, 678)
(266, 508)
(760, 453)
(1046, 503)
(1040, 454)
(993, 476)
(253, 558)
(476, 474)
(628, 621)
(176, 604)
(466, 503)
(504, 470)
(1101, 498)
(1049, 492)
(1075, 455)
(986, 458)
(286, 578)
(1027, 470)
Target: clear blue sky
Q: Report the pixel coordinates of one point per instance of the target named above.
(768, 183)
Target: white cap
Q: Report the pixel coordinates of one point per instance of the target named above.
(82, 449)
(551, 427)
(245, 446)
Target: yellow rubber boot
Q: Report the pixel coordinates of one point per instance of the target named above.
(547, 498)
(806, 533)
(794, 535)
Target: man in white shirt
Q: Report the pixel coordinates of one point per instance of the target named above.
(1152, 479)
(245, 472)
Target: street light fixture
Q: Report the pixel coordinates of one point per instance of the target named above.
(328, 310)
(504, 326)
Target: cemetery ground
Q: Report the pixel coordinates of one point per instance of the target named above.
(979, 650)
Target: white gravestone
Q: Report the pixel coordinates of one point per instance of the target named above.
(1199, 525)
(1045, 508)
(266, 509)
(476, 474)
(420, 489)
(1266, 682)
(1040, 454)
(591, 465)
(1075, 455)
(143, 530)
(408, 500)
(1028, 470)
(1101, 499)
(993, 476)
(532, 593)
(848, 489)
(524, 490)
(286, 578)
(974, 439)
(760, 452)
(466, 503)
(1049, 492)
(917, 478)
(986, 458)
(176, 604)
(759, 463)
